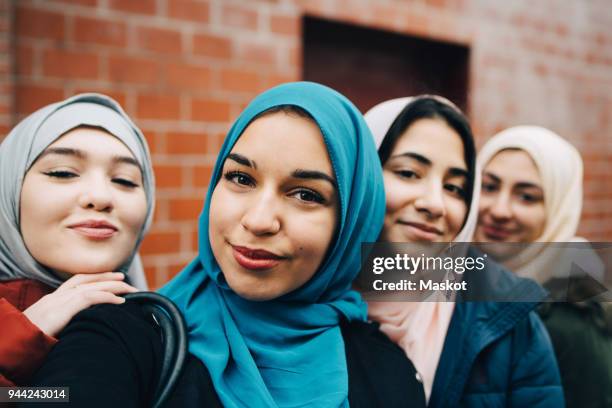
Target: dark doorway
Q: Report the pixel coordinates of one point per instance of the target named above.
(370, 66)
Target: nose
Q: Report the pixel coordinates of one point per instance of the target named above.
(500, 208)
(431, 200)
(262, 216)
(96, 194)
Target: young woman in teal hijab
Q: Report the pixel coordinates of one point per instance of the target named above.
(287, 351)
(297, 187)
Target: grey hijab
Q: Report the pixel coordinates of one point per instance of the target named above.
(22, 147)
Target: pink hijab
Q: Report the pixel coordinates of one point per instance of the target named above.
(419, 328)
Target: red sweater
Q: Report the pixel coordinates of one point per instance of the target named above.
(23, 346)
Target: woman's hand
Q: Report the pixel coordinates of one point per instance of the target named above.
(54, 311)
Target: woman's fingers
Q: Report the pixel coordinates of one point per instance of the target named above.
(93, 297)
(82, 278)
(116, 287)
(53, 312)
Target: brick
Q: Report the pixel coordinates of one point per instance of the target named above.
(32, 97)
(436, 3)
(194, 10)
(118, 96)
(89, 3)
(4, 46)
(175, 269)
(295, 57)
(151, 275)
(187, 76)
(276, 79)
(24, 59)
(156, 242)
(70, 64)
(134, 6)
(384, 15)
(152, 138)
(159, 40)
(415, 23)
(194, 240)
(239, 17)
(100, 32)
(185, 209)
(240, 80)
(264, 54)
(158, 106)
(168, 176)
(30, 22)
(212, 46)
(4, 130)
(202, 175)
(210, 110)
(287, 25)
(123, 69)
(186, 143)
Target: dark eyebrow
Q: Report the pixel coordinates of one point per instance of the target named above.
(65, 151)
(422, 159)
(493, 176)
(521, 184)
(525, 184)
(313, 175)
(456, 171)
(240, 159)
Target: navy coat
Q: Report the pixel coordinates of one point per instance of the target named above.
(498, 354)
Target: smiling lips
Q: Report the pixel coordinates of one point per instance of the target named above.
(256, 259)
(496, 233)
(421, 231)
(95, 229)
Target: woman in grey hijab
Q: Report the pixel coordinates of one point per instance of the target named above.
(76, 198)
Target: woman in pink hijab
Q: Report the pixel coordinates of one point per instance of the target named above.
(466, 353)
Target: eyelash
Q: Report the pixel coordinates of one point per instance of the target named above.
(530, 199)
(62, 174)
(489, 187)
(316, 197)
(406, 174)
(455, 190)
(233, 177)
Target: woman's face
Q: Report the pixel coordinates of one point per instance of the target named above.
(274, 211)
(83, 204)
(425, 183)
(512, 199)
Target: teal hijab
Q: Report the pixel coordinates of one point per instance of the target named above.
(289, 352)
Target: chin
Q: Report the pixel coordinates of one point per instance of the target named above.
(500, 251)
(87, 266)
(254, 291)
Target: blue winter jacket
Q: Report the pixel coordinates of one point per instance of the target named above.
(498, 354)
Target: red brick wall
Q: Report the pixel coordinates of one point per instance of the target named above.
(6, 67)
(183, 69)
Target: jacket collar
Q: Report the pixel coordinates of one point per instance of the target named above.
(476, 324)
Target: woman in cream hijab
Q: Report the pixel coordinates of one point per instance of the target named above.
(76, 198)
(532, 195)
(427, 152)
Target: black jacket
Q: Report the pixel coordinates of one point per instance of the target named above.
(110, 356)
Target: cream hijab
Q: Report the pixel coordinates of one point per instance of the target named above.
(419, 328)
(560, 167)
(22, 147)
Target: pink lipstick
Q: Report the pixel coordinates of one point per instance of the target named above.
(95, 229)
(256, 259)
